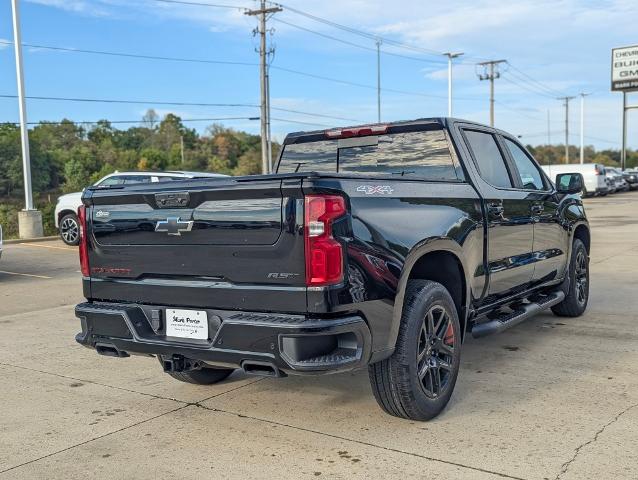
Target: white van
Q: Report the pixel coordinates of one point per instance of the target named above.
(593, 174)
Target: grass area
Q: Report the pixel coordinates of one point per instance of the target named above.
(10, 206)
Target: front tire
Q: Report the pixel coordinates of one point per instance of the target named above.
(70, 229)
(417, 381)
(203, 376)
(577, 296)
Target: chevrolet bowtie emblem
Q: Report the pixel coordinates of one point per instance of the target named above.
(173, 226)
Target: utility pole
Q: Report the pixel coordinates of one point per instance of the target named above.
(29, 219)
(566, 104)
(549, 134)
(582, 127)
(263, 12)
(378, 43)
(491, 73)
(450, 56)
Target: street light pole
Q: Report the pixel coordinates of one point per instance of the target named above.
(29, 219)
(450, 56)
(26, 162)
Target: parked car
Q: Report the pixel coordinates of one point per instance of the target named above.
(66, 220)
(617, 178)
(376, 246)
(593, 174)
(631, 177)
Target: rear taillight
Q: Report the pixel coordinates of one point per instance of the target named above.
(84, 243)
(324, 254)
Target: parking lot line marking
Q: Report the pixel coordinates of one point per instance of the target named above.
(26, 275)
(47, 246)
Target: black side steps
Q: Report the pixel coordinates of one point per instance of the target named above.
(520, 313)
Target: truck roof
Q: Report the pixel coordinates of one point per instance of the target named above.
(442, 121)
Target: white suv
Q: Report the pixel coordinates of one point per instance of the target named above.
(66, 220)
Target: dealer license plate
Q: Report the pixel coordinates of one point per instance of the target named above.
(187, 324)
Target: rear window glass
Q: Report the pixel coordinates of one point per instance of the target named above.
(424, 154)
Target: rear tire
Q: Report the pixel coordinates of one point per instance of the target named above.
(417, 381)
(576, 298)
(203, 376)
(70, 229)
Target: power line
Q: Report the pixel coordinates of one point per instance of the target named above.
(339, 26)
(551, 90)
(540, 134)
(183, 104)
(188, 120)
(598, 139)
(354, 31)
(357, 45)
(367, 86)
(132, 55)
(526, 87)
(201, 4)
(96, 122)
(516, 110)
(225, 62)
(285, 120)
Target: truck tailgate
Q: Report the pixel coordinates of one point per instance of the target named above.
(232, 243)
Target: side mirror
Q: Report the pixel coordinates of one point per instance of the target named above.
(569, 183)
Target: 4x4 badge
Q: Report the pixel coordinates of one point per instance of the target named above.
(173, 226)
(375, 189)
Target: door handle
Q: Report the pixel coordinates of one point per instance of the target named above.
(495, 208)
(537, 209)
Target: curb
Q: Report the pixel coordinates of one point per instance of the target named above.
(30, 240)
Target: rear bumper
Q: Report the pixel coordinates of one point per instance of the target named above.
(291, 344)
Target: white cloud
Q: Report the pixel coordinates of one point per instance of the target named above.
(78, 6)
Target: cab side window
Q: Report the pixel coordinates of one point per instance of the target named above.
(115, 180)
(489, 160)
(531, 177)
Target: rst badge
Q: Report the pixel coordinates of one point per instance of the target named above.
(375, 189)
(174, 226)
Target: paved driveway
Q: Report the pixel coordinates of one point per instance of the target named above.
(551, 398)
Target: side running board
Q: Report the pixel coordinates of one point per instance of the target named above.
(519, 314)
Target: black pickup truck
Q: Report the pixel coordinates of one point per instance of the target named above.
(379, 246)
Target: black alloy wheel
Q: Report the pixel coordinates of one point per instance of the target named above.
(582, 277)
(435, 351)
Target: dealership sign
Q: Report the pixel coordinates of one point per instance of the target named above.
(624, 68)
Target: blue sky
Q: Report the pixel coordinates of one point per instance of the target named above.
(563, 44)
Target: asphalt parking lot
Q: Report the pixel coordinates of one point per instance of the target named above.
(552, 398)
